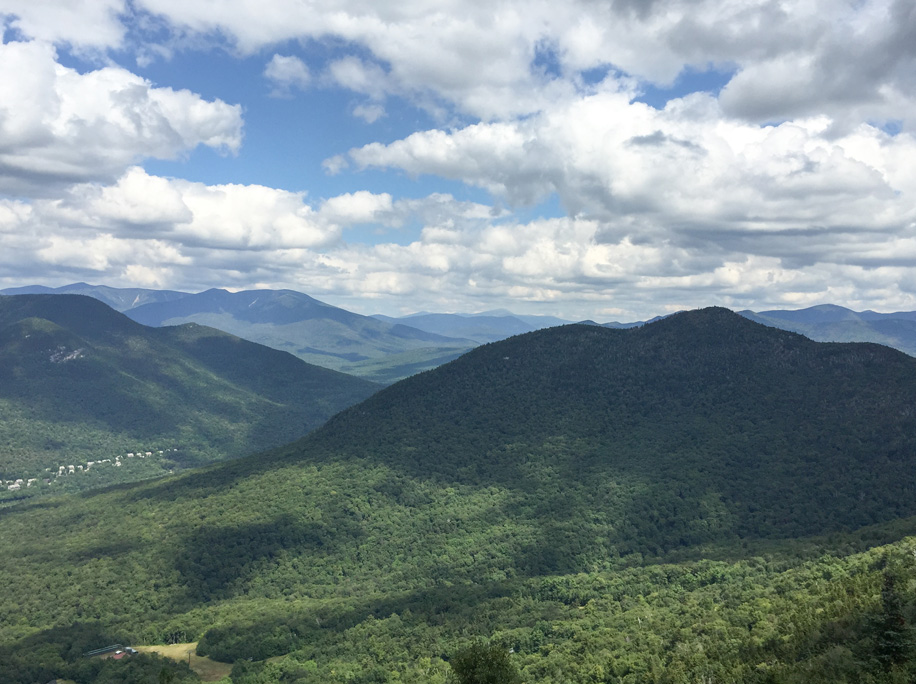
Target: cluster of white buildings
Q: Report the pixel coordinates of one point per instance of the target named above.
(19, 483)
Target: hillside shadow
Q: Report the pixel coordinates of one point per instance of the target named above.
(323, 627)
(32, 504)
(220, 562)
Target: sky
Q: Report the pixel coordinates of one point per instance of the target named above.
(591, 159)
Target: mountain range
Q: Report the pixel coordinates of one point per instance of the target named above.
(698, 498)
(81, 382)
(118, 298)
(385, 349)
(312, 330)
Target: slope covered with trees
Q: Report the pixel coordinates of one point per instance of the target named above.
(81, 382)
(699, 499)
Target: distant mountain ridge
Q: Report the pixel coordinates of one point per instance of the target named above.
(831, 323)
(119, 299)
(310, 329)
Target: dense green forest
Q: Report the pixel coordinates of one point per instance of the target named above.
(701, 499)
(80, 382)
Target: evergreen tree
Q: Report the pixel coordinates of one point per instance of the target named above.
(893, 638)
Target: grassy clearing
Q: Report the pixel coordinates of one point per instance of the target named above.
(208, 670)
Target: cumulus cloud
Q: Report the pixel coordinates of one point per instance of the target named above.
(162, 229)
(227, 217)
(334, 165)
(482, 56)
(852, 61)
(370, 113)
(59, 126)
(860, 68)
(287, 74)
(565, 266)
(86, 25)
(680, 200)
(357, 207)
(685, 173)
(360, 76)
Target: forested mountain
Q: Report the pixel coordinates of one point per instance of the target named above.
(80, 382)
(312, 330)
(692, 500)
(762, 407)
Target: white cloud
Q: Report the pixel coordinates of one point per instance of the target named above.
(860, 68)
(686, 173)
(286, 74)
(59, 126)
(137, 199)
(357, 207)
(498, 59)
(334, 165)
(482, 56)
(359, 76)
(370, 113)
(84, 24)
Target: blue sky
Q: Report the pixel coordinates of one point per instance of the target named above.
(588, 160)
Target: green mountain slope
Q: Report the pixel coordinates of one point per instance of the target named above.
(81, 382)
(685, 501)
(312, 330)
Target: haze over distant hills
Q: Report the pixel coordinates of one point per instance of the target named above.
(559, 492)
(80, 381)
